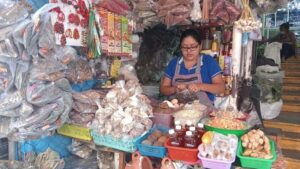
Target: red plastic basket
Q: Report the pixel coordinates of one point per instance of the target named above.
(182, 154)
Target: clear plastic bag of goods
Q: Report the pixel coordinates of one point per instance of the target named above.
(46, 68)
(80, 149)
(270, 84)
(11, 12)
(271, 110)
(79, 71)
(7, 73)
(22, 73)
(188, 115)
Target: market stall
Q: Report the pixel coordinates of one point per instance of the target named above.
(79, 84)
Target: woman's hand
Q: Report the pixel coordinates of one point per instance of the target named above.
(181, 87)
(194, 87)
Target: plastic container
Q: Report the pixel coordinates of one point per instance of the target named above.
(163, 119)
(215, 164)
(182, 154)
(258, 163)
(75, 131)
(238, 133)
(128, 145)
(150, 150)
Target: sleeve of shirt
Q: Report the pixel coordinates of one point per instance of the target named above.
(213, 67)
(170, 70)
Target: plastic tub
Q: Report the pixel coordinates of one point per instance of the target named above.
(182, 154)
(163, 118)
(150, 150)
(258, 163)
(215, 164)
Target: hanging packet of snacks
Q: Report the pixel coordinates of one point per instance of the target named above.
(94, 43)
(247, 22)
(103, 15)
(70, 21)
(111, 34)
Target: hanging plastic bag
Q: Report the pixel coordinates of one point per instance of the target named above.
(11, 12)
(7, 73)
(11, 100)
(21, 74)
(79, 71)
(44, 67)
(196, 13)
(40, 94)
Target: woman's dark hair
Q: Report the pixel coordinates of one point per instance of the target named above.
(191, 32)
(285, 26)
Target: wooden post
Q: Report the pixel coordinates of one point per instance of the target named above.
(119, 157)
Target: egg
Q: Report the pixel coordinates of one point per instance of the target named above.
(174, 101)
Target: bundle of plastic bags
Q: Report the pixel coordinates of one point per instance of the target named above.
(35, 97)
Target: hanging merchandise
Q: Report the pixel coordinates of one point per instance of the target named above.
(224, 12)
(70, 21)
(11, 12)
(206, 4)
(247, 22)
(145, 14)
(270, 6)
(196, 13)
(116, 6)
(175, 12)
(94, 42)
(35, 96)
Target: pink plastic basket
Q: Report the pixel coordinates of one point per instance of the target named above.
(215, 164)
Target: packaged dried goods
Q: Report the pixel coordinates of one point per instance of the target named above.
(223, 123)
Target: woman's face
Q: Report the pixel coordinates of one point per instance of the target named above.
(190, 48)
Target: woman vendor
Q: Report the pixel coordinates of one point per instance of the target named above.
(192, 76)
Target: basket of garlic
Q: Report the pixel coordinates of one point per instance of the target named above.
(122, 117)
(255, 150)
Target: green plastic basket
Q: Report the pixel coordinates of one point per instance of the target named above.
(238, 133)
(257, 163)
(128, 145)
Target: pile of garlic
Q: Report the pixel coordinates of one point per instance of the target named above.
(124, 113)
(247, 22)
(248, 25)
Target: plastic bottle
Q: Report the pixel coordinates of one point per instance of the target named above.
(189, 140)
(174, 141)
(180, 134)
(188, 125)
(177, 123)
(195, 134)
(200, 129)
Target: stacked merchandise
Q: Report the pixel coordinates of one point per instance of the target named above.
(36, 97)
